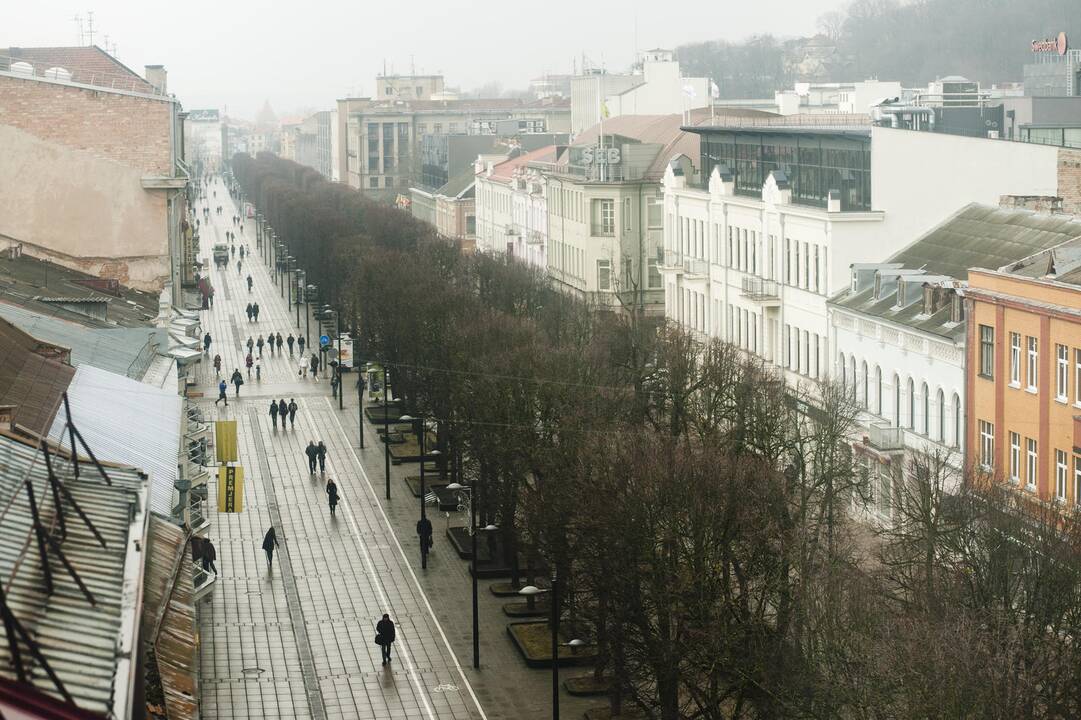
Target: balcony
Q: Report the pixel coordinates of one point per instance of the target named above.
(534, 238)
(760, 290)
(886, 438)
(675, 261)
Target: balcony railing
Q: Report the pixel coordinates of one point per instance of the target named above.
(675, 260)
(758, 288)
(885, 437)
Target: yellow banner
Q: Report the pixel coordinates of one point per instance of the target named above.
(225, 445)
(230, 488)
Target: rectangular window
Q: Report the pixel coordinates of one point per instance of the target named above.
(987, 445)
(373, 182)
(1077, 479)
(1031, 463)
(806, 267)
(1032, 374)
(654, 212)
(1062, 373)
(795, 279)
(816, 275)
(627, 215)
(654, 273)
(987, 351)
(788, 346)
(1015, 359)
(1015, 458)
(604, 274)
(1077, 377)
(1061, 469)
(728, 255)
(604, 217)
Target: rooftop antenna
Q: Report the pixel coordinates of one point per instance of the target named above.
(90, 26)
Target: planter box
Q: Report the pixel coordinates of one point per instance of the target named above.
(522, 609)
(587, 685)
(431, 483)
(534, 642)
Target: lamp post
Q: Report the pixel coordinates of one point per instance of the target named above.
(287, 281)
(459, 488)
(298, 283)
(386, 423)
(360, 403)
(421, 432)
(310, 293)
(531, 590)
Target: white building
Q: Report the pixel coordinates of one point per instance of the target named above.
(512, 206)
(654, 88)
(900, 335)
(753, 257)
(204, 138)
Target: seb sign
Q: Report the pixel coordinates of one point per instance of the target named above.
(600, 156)
(1051, 45)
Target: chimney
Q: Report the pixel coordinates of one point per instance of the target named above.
(156, 76)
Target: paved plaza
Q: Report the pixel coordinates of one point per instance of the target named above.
(298, 641)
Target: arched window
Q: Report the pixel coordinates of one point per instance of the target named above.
(911, 404)
(878, 390)
(926, 419)
(863, 375)
(940, 399)
(956, 421)
(897, 400)
(852, 373)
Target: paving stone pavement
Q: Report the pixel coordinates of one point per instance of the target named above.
(297, 641)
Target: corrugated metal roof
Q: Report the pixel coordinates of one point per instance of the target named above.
(169, 616)
(987, 237)
(118, 350)
(79, 640)
(128, 422)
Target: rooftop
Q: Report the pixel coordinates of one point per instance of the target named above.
(86, 644)
(976, 236)
(504, 171)
(88, 65)
(33, 378)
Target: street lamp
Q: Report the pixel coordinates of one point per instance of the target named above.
(290, 267)
(309, 294)
(530, 591)
(298, 277)
(459, 488)
(386, 422)
(424, 522)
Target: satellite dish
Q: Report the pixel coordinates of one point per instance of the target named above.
(22, 68)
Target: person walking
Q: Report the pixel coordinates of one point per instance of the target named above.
(384, 636)
(283, 408)
(321, 452)
(289, 341)
(259, 344)
(249, 283)
(211, 296)
(334, 381)
(237, 379)
(209, 556)
(274, 414)
(206, 344)
(301, 342)
(270, 541)
(250, 343)
(241, 252)
(424, 533)
(249, 312)
(217, 366)
(239, 265)
(332, 495)
(292, 412)
(232, 249)
(280, 342)
(312, 452)
(258, 371)
(248, 362)
(315, 367)
(222, 387)
(255, 310)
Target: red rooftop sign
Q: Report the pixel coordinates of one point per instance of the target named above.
(1055, 45)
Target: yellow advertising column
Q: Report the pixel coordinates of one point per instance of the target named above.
(230, 488)
(225, 444)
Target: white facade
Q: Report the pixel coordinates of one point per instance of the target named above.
(512, 215)
(655, 88)
(757, 272)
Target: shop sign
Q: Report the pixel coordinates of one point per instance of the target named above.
(1057, 45)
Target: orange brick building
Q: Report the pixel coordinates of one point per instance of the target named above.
(1024, 372)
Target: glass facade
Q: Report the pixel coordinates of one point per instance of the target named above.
(814, 164)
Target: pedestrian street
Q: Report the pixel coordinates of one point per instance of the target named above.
(298, 641)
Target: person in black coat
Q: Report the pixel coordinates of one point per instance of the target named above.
(292, 412)
(312, 452)
(384, 637)
(270, 541)
(321, 451)
(332, 495)
(209, 556)
(282, 410)
(274, 414)
(237, 379)
(279, 341)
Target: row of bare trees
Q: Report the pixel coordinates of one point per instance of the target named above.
(697, 511)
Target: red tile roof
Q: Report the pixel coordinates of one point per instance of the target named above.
(89, 65)
(504, 171)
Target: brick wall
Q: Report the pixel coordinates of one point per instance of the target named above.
(1069, 180)
(134, 131)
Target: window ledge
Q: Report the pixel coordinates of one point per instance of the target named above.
(1015, 385)
(1030, 487)
(1031, 390)
(1062, 399)
(1015, 481)
(986, 377)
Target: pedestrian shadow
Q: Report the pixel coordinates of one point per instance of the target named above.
(388, 679)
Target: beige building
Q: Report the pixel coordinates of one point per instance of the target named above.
(378, 151)
(92, 165)
(408, 87)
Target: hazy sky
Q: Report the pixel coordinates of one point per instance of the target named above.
(299, 55)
